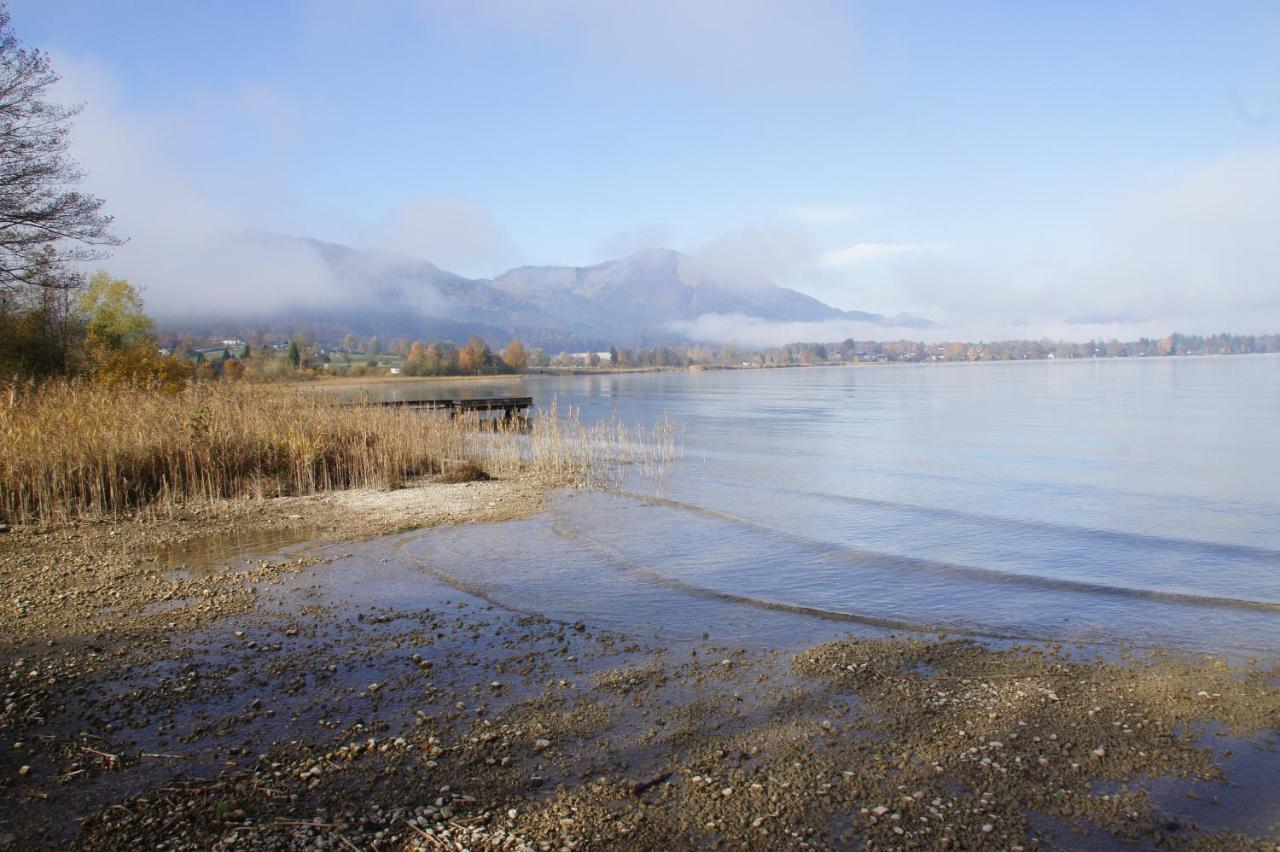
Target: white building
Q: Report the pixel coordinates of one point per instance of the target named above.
(585, 357)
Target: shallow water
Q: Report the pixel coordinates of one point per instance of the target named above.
(1127, 501)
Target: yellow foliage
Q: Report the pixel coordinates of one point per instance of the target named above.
(515, 355)
(143, 367)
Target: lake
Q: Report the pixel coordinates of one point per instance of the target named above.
(1125, 501)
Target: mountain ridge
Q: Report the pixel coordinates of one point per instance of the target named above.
(637, 300)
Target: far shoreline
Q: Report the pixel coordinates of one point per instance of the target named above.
(543, 372)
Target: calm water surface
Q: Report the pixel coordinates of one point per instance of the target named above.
(1129, 501)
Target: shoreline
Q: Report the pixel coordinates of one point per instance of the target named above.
(322, 380)
(538, 372)
(270, 674)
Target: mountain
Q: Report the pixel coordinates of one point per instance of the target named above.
(647, 291)
(638, 300)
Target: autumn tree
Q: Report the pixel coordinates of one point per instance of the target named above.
(475, 357)
(416, 362)
(444, 359)
(114, 315)
(120, 337)
(348, 342)
(515, 355)
(40, 328)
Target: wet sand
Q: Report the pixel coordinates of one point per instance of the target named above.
(236, 679)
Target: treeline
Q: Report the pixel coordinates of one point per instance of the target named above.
(299, 355)
(94, 327)
(473, 358)
(1021, 350)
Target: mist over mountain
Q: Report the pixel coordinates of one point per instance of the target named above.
(652, 297)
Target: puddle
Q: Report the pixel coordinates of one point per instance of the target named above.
(1248, 800)
(210, 554)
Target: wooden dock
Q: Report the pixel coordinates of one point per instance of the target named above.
(512, 407)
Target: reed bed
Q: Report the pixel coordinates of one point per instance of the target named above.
(75, 449)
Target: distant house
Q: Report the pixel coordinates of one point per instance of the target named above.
(233, 341)
(585, 357)
(395, 371)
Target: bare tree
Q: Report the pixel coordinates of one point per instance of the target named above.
(45, 224)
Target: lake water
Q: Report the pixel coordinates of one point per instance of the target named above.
(1110, 501)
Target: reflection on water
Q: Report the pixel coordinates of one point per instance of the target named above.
(202, 556)
(1116, 500)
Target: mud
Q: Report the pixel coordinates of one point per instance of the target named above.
(160, 693)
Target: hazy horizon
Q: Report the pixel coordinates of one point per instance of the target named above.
(1007, 172)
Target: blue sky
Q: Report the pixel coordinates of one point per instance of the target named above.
(1060, 169)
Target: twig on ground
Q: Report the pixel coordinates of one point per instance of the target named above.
(425, 836)
(114, 759)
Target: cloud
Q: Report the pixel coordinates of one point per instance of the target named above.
(188, 256)
(1195, 252)
(1203, 246)
(754, 331)
(191, 254)
(453, 233)
(755, 256)
(862, 252)
(640, 238)
(1103, 319)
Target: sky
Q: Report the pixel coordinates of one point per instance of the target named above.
(1074, 170)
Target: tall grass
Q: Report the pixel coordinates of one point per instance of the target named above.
(71, 449)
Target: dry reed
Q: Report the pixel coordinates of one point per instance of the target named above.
(70, 449)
